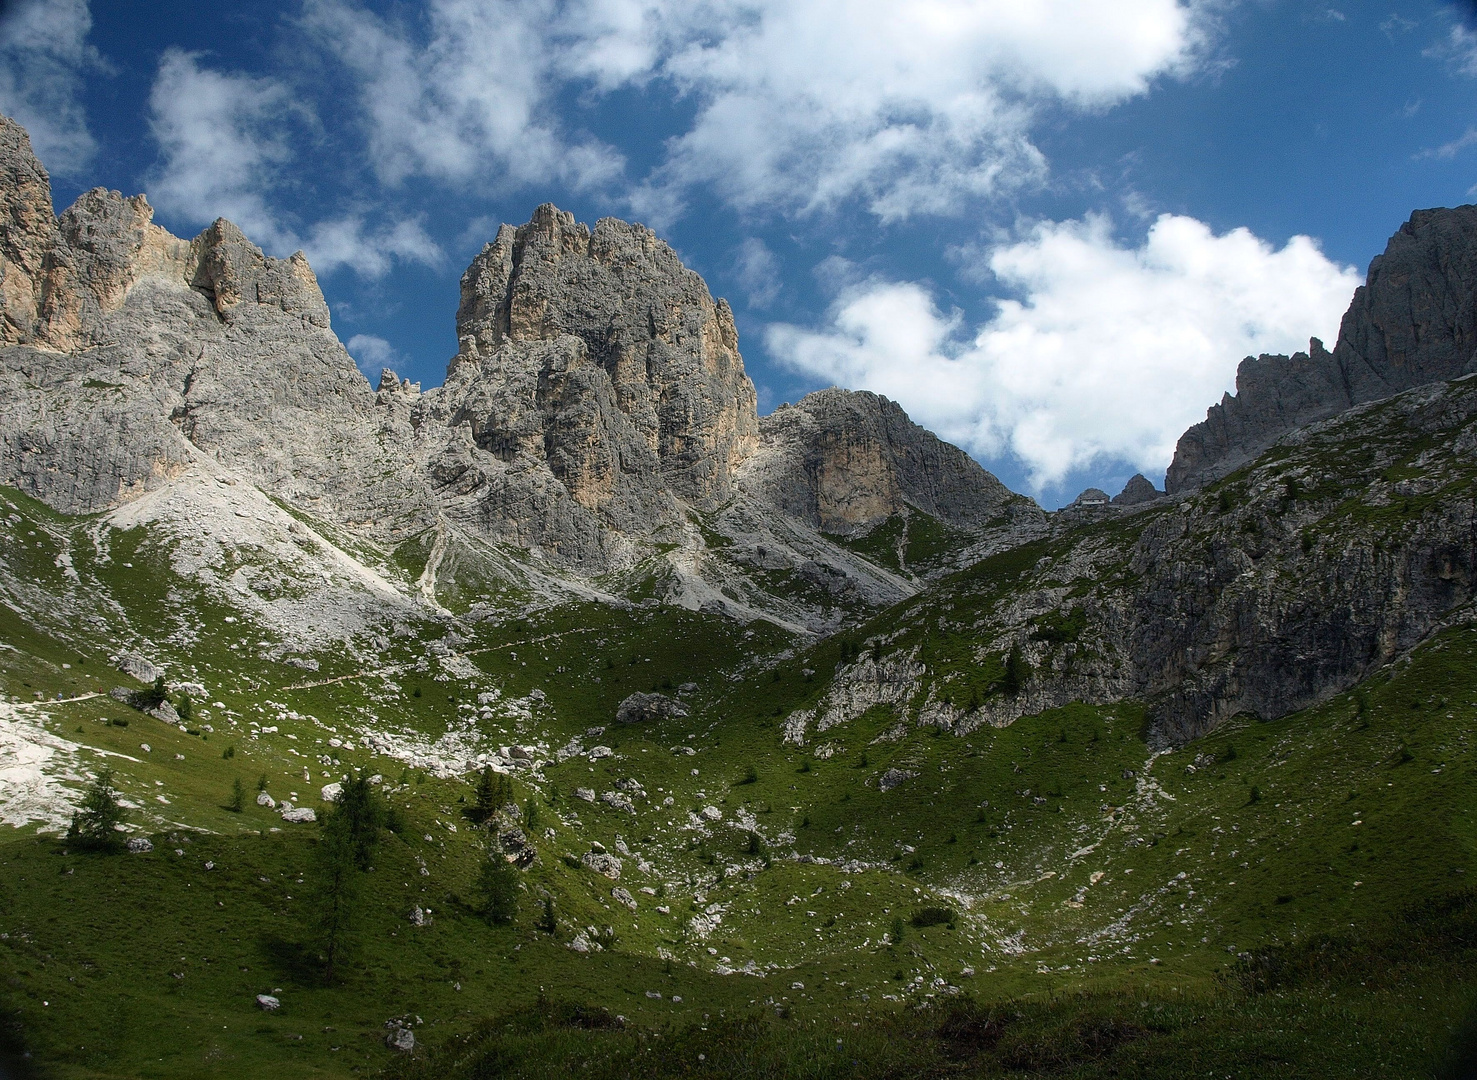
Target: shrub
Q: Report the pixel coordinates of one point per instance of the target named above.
(152, 698)
(932, 916)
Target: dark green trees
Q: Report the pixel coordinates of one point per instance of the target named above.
(345, 850)
(94, 823)
(491, 794)
(497, 888)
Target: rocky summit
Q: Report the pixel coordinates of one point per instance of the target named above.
(596, 411)
(1413, 322)
(570, 717)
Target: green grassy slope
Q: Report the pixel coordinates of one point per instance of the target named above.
(1258, 899)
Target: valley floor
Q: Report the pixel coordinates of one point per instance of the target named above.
(1291, 898)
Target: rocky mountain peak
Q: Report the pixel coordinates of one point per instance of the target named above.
(596, 411)
(232, 270)
(1139, 490)
(27, 232)
(844, 460)
(1413, 322)
(649, 324)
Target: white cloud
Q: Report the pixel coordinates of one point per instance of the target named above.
(371, 352)
(222, 140)
(910, 107)
(1459, 48)
(1109, 356)
(758, 271)
(472, 101)
(223, 143)
(43, 57)
(1453, 148)
(799, 104)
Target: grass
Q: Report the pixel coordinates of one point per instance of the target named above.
(1247, 902)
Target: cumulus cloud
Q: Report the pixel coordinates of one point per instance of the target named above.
(223, 143)
(1107, 356)
(758, 271)
(798, 105)
(43, 57)
(470, 99)
(909, 107)
(372, 353)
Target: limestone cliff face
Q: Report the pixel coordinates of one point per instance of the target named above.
(844, 461)
(28, 232)
(656, 349)
(597, 404)
(133, 354)
(1413, 322)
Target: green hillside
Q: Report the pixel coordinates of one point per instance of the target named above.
(1050, 896)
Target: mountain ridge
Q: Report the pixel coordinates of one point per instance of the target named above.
(597, 403)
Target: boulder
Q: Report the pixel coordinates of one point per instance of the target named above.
(398, 1036)
(139, 668)
(602, 863)
(268, 1003)
(331, 793)
(617, 800)
(140, 844)
(892, 778)
(639, 708)
(164, 711)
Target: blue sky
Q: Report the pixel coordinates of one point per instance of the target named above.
(1048, 228)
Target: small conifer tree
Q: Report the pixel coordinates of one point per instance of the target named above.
(1017, 671)
(497, 884)
(335, 891)
(153, 697)
(94, 825)
(488, 797)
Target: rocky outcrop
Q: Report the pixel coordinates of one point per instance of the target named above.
(1413, 322)
(844, 461)
(639, 708)
(1304, 574)
(1138, 491)
(641, 347)
(596, 409)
